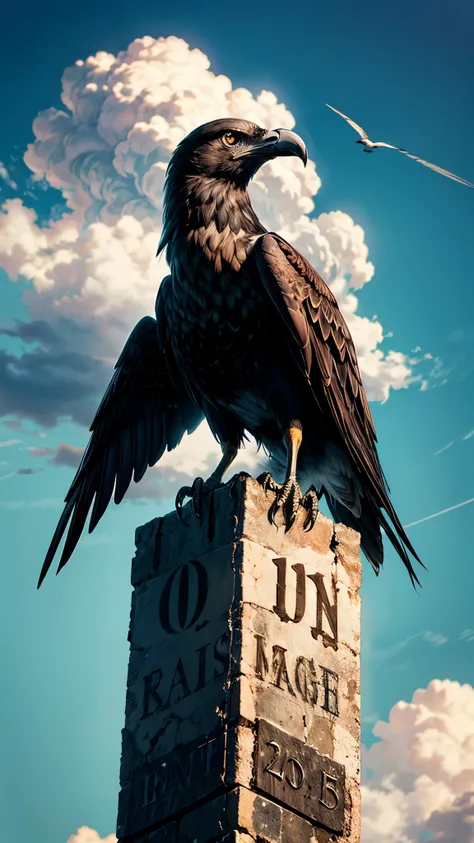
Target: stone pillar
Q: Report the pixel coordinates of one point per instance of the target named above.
(242, 716)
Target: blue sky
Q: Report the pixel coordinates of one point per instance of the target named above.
(406, 72)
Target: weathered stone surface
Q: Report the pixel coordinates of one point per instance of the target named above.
(208, 822)
(165, 786)
(234, 624)
(352, 820)
(254, 815)
(167, 834)
(258, 820)
(161, 541)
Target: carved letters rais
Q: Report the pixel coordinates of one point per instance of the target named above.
(187, 675)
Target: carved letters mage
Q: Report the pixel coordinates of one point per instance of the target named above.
(297, 675)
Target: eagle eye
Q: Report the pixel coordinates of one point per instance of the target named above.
(229, 138)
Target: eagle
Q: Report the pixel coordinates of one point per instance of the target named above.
(249, 337)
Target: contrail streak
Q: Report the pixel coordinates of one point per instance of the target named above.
(441, 512)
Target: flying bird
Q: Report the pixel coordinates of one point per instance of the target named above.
(248, 336)
(371, 145)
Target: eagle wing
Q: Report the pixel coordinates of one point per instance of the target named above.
(145, 410)
(324, 350)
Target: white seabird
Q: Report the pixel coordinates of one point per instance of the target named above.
(371, 145)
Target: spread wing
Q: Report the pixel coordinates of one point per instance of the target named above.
(390, 146)
(360, 131)
(145, 410)
(436, 168)
(325, 353)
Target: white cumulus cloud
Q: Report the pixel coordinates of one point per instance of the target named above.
(456, 825)
(419, 775)
(6, 177)
(84, 834)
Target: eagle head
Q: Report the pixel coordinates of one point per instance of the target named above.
(208, 173)
(233, 149)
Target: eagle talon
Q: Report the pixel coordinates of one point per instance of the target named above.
(268, 483)
(195, 493)
(233, 482)
(288, 498)
(311, 503)
(273, 511)
(183, 493)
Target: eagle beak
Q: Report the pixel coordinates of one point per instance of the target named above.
(289, 143)
(275, 144)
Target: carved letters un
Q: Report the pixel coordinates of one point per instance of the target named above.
(323, 604)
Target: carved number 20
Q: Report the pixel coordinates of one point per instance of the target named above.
(293, 773)
(290, 769)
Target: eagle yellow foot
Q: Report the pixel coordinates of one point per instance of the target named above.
(288, 498)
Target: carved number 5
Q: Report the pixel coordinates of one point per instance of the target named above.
(291, 770)
(328, 791)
